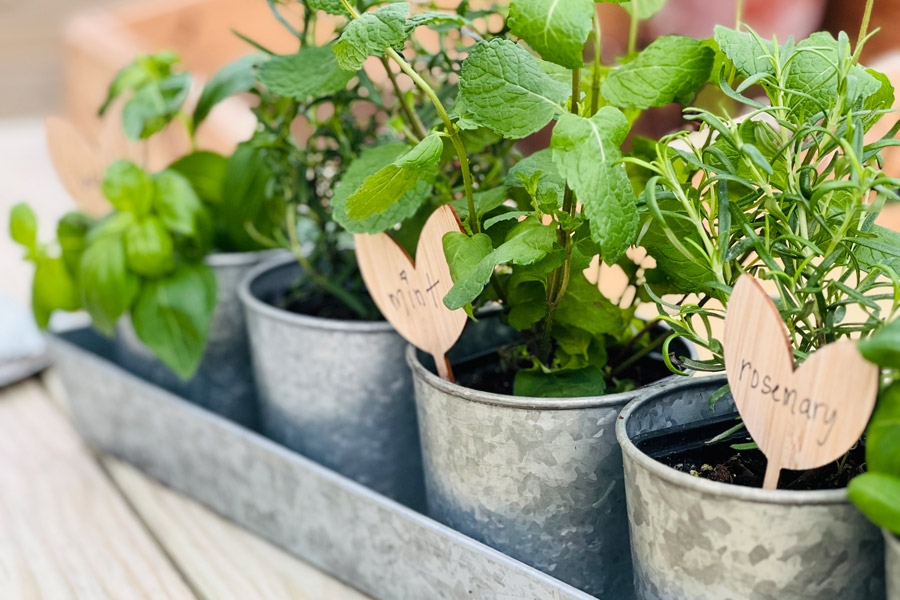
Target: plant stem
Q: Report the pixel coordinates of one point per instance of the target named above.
(595, 81)
(558, 280)
(633, 29)
(863, 29)
(411, 117)
(738, 14)
(452, 131)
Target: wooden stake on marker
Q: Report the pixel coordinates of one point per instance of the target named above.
(803, 418)
(411, 296)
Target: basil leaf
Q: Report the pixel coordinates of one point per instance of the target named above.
(172, 316)
(23, 225)
(178, 206)
(883, 434)
(245, 201)
(128, 188)
(154, 105)
(107, 286)
(206, 173)
(555, 30)
(506, 90)
(875, 494)
(671, 69)
(53, 288)
(313, 71)
(149, 250)
(72, 232)
(883, 347)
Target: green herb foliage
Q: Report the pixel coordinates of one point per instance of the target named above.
(877, 492)
(531, 234)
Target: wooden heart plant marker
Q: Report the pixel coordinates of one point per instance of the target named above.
(803, 418)
(411, 296)
(78, 165)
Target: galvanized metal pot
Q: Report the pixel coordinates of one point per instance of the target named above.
(223, 382)
(335, 391)
(539, 479)
(695, 539)
(892, 565)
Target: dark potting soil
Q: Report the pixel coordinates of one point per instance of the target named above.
(495, 372)
(689, 451)
(315, 303)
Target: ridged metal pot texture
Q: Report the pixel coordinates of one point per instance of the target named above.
(223, 383)
(537, 478)
(336, 391)
(696, 539)
(892, 565)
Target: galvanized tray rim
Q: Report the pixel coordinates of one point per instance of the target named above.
(368, 495)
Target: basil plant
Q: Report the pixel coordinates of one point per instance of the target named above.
(145, 258)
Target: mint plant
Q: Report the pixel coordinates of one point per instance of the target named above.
(877, 492)
(530, 236)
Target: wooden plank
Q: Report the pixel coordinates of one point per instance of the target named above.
(65, 532)
(220, 559)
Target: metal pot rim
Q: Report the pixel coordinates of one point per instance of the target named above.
(891, 539)
(254, 304)
(517, 402)
(705, 486)
(239, 259)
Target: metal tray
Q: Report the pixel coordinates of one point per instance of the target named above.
(376, 545)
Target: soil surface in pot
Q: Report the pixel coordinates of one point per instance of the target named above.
(495, 372)
(689, 451)
(311, 301)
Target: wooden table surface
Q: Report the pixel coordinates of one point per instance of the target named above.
(77, 525)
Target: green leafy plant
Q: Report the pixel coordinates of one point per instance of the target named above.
(877, 492)
(789, 193)
(530, 236)
(145, 258)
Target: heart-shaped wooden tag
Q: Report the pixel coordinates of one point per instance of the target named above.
(78, 165)
(411, 296)
(803, 418)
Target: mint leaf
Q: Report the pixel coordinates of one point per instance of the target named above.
(671, 69)
(528, 242)
(485, 202)
(550, 185)
(504, 89)
(409, 190)
(555, 29)
(435, 18)
(108, 287)
(646, 8)
(371, 33)
(749, 54)
(463, 252)
(812, 77)
(381, 191)
(577, 383)
(586, 151)
(585, 307)
(128, 187)
(311, 72)
(149, 250)
(332, 7)
(235, 77)
(172, 315)
(23, 225)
